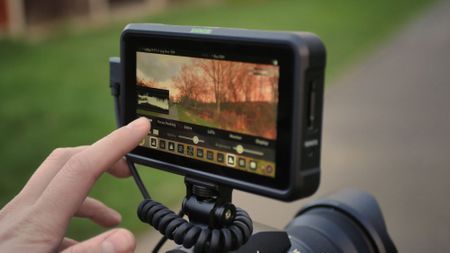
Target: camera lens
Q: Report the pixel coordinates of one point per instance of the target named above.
(349, 221)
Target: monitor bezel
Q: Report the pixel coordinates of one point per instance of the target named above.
(283, 52)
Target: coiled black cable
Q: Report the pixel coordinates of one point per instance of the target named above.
(201, 237)
(183, 232)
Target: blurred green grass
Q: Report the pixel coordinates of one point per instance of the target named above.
(54, 93)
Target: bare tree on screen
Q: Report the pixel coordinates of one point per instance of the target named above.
(216, 71)
(189, 84)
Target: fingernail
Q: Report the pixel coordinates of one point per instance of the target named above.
(117, 217)
(138, 123)
(114, 219)
(108, 247)
(120, 241)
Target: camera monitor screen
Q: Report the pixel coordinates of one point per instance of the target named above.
(240, 108)
(209, 109)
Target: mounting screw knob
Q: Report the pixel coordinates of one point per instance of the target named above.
(228, 215)
(225, 214)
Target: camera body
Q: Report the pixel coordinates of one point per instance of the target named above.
(241, 108)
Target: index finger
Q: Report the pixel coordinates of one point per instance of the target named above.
(68, 189)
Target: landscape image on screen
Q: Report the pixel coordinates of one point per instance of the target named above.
(234, 96)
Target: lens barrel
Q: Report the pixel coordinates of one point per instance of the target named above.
(348, 221)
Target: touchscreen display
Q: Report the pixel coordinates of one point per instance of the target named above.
(210, 108)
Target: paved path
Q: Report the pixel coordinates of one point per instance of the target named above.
(387, 131)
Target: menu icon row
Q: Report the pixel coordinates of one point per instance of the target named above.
(210, 155)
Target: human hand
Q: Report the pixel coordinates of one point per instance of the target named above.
(37, 218)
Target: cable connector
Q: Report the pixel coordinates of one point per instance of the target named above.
(115, 75)
(115, 81)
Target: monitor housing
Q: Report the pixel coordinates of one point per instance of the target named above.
(241, 108)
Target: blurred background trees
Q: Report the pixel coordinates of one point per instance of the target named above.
(18, 17)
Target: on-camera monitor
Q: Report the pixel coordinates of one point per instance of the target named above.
(210, 109)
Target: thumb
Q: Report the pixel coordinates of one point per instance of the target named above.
(114, 241)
